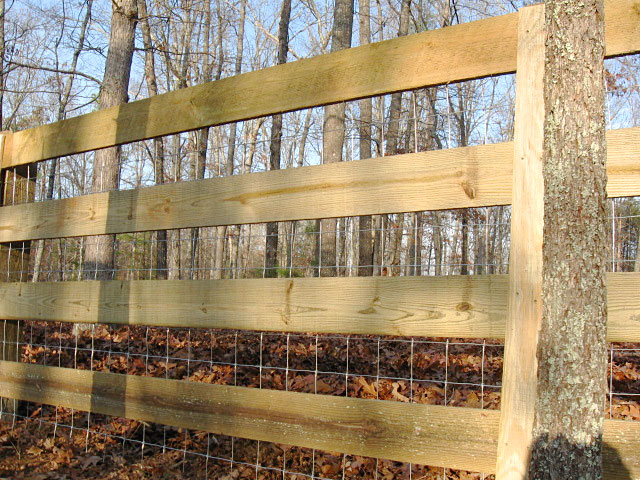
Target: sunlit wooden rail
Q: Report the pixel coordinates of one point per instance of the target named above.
(465, 307)
(449, 306)
(444, 179)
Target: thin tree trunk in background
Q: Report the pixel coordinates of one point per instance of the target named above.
(303, 138)
(201, 137)
(160, 266)
(415, 245)
(237, 70)
(436, 236)
(201, 141)
(365, 232)
(463, 141)
(572, 348)
(333, 132)
(275, 149)
(221, 232)
(395, 108)
(100, 250)
(246, 168)
(392, 142)
(480, 247)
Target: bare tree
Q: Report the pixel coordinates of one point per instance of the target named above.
(158, 153)
(100, 250)
(275, 150)
(333, 134)
(365, 232)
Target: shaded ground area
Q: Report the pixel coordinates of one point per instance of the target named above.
(45, 442)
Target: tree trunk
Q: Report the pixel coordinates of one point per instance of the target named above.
(275, 149)
(365, 232)
(100, 250)
(160, 266)
(572, 346)
(333, 133)
(415, 245)
(221, 232)
(393, 129)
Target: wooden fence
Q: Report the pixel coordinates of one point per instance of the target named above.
(495, 306)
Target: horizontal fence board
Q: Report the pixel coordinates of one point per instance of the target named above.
(623, 162)
(621, 447)
(622, 27)
(450, 306)
(435, 180)
(471, 50)
(434, 435)
(453, 306)
(460, 177)
(425, 434)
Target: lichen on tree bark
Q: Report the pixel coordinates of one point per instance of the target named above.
(572, 346)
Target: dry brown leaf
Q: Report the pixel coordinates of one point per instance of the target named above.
(369, 389)
(397, 395)
(34, 450)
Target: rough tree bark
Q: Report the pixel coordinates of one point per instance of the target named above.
(572, 346)
(333, 134)
(275, 149)
(99, 253)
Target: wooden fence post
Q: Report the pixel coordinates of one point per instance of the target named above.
(17, 185)
(525, 265)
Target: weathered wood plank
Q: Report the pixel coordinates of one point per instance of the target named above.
(453, 306)
(476, 49)
(425, 434)
(456, 178)
(519, 378)
(434, 435)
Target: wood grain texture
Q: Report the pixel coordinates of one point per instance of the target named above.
(622, 27)
(455, 178)
(621, 444)
(623, 162)
(461, 177)
(471, 50)
(452, 306)
(426, 434)
(524, 314)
